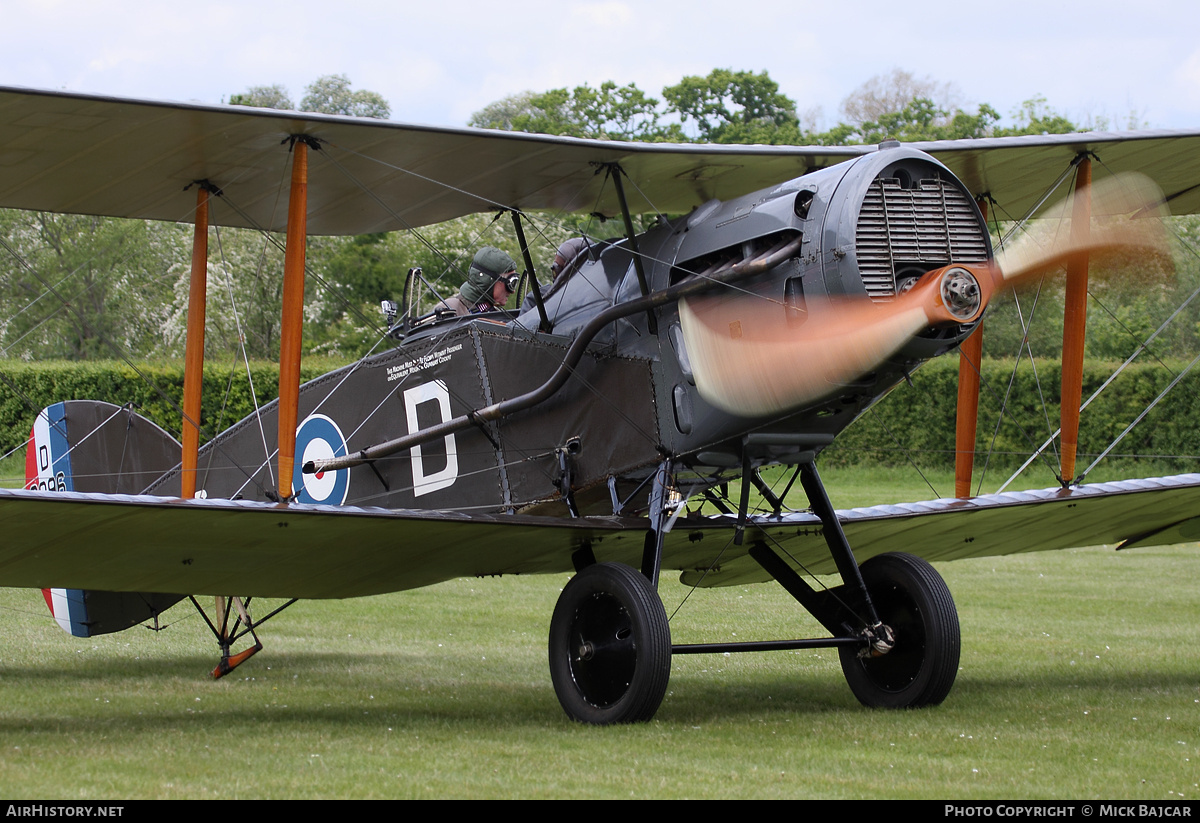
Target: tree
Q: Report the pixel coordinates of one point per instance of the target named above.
(735, 107)
(331, 94)
(610, 112)
(79, 287)
(1035, 117)
(893, 92)
(900, 106)
(502, 113)
(264, 97)
(245, 297)
(922, 120)
(246, 287)
(726, 106)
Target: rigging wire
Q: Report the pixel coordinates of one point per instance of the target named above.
(241, 336)
(103, 338)
(642, 431)
(1143, 346)
(1024, 349)
(1025, 346)
(912, 462)
(1142, 416)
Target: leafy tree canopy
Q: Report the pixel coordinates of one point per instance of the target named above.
(610, 112)
(735, 107)
(1034, 116)
(264, 97)
(889, 93)
(330, 94)
(728, 106)
(503, 113)
(921, 119)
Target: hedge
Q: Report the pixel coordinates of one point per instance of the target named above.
(914, 423)
(156, 390)
(917, 422)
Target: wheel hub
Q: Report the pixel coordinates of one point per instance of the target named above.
(880, 640)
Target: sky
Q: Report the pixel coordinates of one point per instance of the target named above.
(438, 62)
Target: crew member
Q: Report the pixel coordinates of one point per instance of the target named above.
(490, 283)
(569, 257)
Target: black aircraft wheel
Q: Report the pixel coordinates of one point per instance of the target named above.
(911, 598)
(610, 646)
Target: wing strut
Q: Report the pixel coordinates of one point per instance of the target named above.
(1075, 321)
(970, 360)
(292, 325)
(615, 171)
(193, 370)
(543, 321)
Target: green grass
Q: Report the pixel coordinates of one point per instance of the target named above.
(1078, 680)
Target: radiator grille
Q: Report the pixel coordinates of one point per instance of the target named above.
(931, 223)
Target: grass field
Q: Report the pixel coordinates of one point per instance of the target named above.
(1080, 678)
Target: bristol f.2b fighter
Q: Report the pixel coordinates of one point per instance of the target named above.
(795, 288)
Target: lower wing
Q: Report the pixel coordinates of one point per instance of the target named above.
(155, 544)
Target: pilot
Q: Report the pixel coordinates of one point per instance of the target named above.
(491, 281)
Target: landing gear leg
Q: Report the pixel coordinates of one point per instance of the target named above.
(896, 605)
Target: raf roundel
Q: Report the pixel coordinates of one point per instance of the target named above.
(319, 438)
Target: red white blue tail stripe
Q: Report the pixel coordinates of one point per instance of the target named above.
(48, 469)
(48, 458)
(69, 610)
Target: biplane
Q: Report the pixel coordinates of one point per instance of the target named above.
(778, 294)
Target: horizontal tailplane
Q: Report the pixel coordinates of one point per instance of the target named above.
(88, 613)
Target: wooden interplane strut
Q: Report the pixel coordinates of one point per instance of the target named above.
(970, 360)
(193, 373)
(1075, 323)
(291, 332)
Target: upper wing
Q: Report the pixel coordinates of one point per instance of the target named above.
(1016, 171)
(94, 155)
(155, 544)
(86, 154)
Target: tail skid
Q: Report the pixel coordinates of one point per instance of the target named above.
(236, 609)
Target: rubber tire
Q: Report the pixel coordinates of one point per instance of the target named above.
(911, 597)
(614, 607)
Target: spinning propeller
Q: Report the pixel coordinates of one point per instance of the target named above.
(752, 357)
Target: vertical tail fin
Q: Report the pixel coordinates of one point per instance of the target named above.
(90, 446)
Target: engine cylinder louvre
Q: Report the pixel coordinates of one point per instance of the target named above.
(931, 224)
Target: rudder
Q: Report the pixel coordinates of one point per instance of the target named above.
(92, 446)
